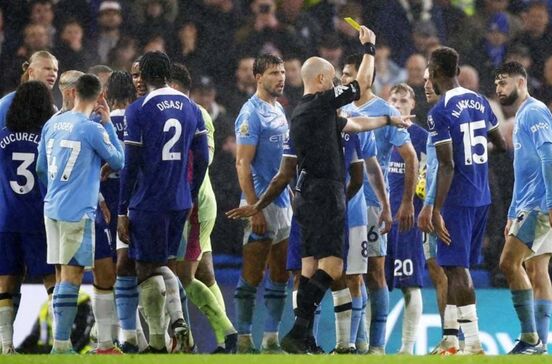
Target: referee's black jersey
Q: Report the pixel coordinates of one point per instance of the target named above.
(316, 131)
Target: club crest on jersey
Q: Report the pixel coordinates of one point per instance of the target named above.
(520, 217)
(244, 128)
(430, 122)
(340, 89)
(106, 138)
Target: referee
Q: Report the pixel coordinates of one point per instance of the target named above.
(320, 201)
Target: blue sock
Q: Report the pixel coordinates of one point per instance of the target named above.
(244, 300)
(355, 318)
(525, 309)
(184, 303)
(316, 323)
(543, 310)
(361, 334)
(126, 301)
(275, 300)
(65, 309)
(379, 303)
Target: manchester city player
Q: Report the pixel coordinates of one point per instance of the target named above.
(379, 212)
(528, 231)
(460, 124)
(22, 235)
(70, 152)
(261, 128)
(161, 129)
(404, 265)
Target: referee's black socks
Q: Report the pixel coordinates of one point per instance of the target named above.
(309, 295)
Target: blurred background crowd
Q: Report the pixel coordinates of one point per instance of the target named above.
(218, 40)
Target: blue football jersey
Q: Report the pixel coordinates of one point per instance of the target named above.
(110, 188)
(5, 103)
(264, 126)
(21, 192)
(69, 161)
(464, 118)
(386, 138)
(418, 136)
(163, 123)
(533, 129)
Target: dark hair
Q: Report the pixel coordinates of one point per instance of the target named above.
(356, 59)
(99, 68)
(88, 87)
(511, 69)
(32, 106)
(155, 68)
(180, 74)
(446, 60)
(264, 62)
(120, 88)
(32, 3)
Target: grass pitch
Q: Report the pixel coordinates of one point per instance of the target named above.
(267, 359)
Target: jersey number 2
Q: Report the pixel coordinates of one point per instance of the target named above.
(167, 155)
(471, 141)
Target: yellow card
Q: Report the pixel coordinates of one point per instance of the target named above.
(352, 23)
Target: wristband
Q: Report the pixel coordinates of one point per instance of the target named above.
(369, 48)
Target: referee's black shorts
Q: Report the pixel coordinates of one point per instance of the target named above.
(320, 210)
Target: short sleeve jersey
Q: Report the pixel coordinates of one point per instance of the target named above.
(533, 129)
(163, 123)
(264, 126)
(464, 118)
(21, 192)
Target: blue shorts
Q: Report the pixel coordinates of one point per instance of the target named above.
(405, 262)
(105, 237)
(24, 250)
(155, 236)
(294, 247)
(466, 226)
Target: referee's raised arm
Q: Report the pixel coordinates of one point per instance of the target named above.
(365, 73)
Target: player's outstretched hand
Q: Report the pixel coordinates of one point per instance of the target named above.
(401, 121)
(385, 220)
(102, 108)
(105, 211)
(424, 219)
(440, 228)
(405, 216)
(122, 228)
(366, 35)
(242, 212)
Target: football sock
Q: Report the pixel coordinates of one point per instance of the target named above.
(184, 303)
(218, 295)
(525, 309)
(6, 321)
(379, 302)
(343, 311)
(16, 299)
(451, 325)
(411, 319)
(361, 342)
(244, 300)
(356, 316)
(467, 318)
(140, 336)
(275, 300)
(543, 310)
(103, 307)
(65, 310)
(172, 300)
(152, 300)
(126, 300)
(316, 323)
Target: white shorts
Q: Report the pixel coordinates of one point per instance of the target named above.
(70, 243)
(357, 256)
(278, 223)
(533, 229)
(430, 246)
(377, 243)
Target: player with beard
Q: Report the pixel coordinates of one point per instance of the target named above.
(528, 232)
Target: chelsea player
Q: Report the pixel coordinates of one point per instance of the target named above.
(528, 230)
(460, 124)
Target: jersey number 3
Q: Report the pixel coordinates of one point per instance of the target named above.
(23, 170)
(471, 141)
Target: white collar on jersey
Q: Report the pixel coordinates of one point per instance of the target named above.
(117, 112)
(457, 91)
(164, 91)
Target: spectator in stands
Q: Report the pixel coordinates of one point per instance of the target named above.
(110, 23)
(264, 33)
(415, 67)
(76, 9)
(482, 17)
(305, 25)
(424, 35)
(242, 89)
(70, 45)
(331, 49)
(154, 17)
(388, 73)
(348, 36)
(187, 50)
(42, 12)
(103, 72)
(2, 33)
(123, 55)
(545, 92)
(204, 93)
(293, 90)
(536, 35)
(459, 29)
(155, 43)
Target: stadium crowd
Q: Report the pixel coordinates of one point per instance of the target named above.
(224, 46)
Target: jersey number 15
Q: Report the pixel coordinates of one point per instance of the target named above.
(470, 141)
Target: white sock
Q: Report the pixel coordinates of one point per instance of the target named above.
(411, 319)
(343, 311)
(129, 336)
(450, 322)
(6, 327)
(62, 345)
(152, 299)
(103, 307)
(172, 302)
(467, 317)
(140, 336)
(367, 319)
(294, 299)
(115, 325)
(269, 338)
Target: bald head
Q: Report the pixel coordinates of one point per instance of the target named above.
(317, 74)
(469, 78)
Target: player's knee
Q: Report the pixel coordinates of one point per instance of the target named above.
(507, 265)
(206, 277)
